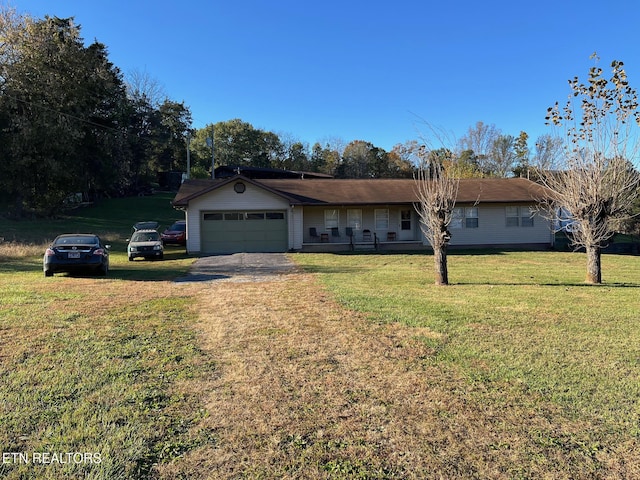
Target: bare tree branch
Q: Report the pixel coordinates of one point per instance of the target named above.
(598, 183)
(437, 191)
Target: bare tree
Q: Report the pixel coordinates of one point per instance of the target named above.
(436, 189)
(141, 85)
(503, 155)
(548, 151)
(598, 185)
(481, 139)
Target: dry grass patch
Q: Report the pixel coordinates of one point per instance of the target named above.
(308, 389)
(97, 365)
(13, 250)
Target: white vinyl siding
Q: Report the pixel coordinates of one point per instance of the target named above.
(492, 230)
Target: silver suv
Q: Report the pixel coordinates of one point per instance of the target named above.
(145, 244)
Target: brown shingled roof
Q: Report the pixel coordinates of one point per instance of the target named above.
(371, 191)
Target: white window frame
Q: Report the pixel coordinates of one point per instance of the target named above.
(354, 218)
(526, 217)
(464, 217)
(457, 218)
(471, 217)
(381, 216)
(331, 218)
(512, 215)
(518, 217)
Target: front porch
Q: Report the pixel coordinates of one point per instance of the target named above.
(353, 242)
(354, 228)
(346, 247)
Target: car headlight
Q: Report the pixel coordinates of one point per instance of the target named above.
(157, 247)
(132, 249)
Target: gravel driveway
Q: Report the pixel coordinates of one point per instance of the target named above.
(239, 267)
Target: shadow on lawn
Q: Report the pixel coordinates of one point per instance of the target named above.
(147, 271)
(19, 265)
(333, 269)
(549, 284)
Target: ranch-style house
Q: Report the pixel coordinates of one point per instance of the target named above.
(241, 214)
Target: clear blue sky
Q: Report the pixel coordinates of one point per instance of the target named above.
(361, 69)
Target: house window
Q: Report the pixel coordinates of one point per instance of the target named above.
(382, 218)
(405, 219)
(331, 219)
(464, 218)
(457, 218)
(232, 216)
(513, 216)
(519, 217)
(471, 217)
(354, 218)
(526, 217)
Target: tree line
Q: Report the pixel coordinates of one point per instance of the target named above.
(70, 122)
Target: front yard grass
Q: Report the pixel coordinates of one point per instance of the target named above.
(527, 336)
(103, 369)
(359, 367)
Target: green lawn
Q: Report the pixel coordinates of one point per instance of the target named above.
(101, 367)
(523, 329)
(114, 366)
(111, 218)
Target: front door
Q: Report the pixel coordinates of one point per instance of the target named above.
(406, 225)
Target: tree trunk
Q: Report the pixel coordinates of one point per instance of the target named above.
(594, 266)
(440, 263)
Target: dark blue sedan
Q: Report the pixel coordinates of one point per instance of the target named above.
(79, 252)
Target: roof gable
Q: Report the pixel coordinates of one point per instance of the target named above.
(191, 189)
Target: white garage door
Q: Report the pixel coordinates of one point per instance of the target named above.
(244, 231)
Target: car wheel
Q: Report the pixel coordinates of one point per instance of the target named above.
(104, 270)
(161, 256)
(131, 259)
(48, 273)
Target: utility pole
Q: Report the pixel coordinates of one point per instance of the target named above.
(213, 166)
(188, 156)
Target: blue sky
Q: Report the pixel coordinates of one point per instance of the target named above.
(361, 69)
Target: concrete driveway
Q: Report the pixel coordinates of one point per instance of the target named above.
(240, 267)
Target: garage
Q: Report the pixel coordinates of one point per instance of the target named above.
(244, 231)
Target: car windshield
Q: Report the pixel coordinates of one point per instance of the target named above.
(145, 226)
(145, 237)
(178, 227)
(76, 241)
